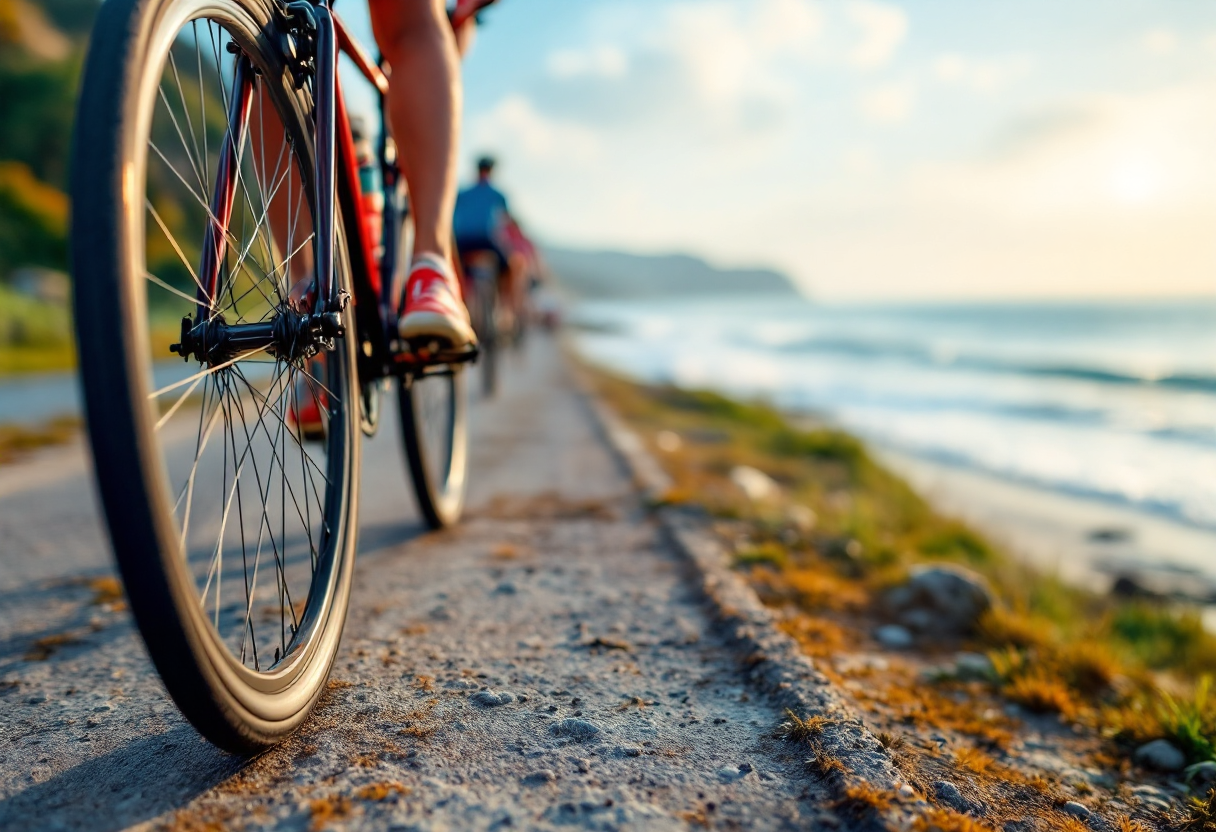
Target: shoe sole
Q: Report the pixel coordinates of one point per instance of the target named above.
(433, 325)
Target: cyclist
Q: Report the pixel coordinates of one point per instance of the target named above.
(480, 219)
(419, 44)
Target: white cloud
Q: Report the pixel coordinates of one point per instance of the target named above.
(1148, 152)
(861, 161)
(889, 103)
(980, 75)
(516, 128)
(1160, 42)
(883, 29)
(600, 61)
(732, 50)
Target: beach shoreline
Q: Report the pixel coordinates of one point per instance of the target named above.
(1083, 541)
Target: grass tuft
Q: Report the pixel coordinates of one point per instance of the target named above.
(803, 730)
(1199, 815)
(328, 809)
(381, 791)
(946, 820)
(864, 798)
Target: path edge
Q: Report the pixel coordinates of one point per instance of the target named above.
(773, 661)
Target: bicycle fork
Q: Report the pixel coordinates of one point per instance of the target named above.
(289, 334)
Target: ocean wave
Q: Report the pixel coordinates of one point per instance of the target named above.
(942, 358)
(1178, 509)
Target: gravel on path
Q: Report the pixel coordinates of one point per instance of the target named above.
(549, 663)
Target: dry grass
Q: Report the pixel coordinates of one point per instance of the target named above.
(891, 742)
(974, 760)
(1088, 658)
(1200, 814)
(1042, 693)
(864, 798)
(609, 643)
(381, 791)
(696, 817)
(946, 820)
(504, 551)
(824, 763)
(45, 647)
(803, 730)
(106, 591)
(328, 809)
(819, 637)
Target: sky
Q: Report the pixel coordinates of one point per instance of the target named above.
(928, 150)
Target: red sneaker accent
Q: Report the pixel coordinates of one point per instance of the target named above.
(433, 306)
(306, 418)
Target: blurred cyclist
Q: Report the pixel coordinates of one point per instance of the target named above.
(481, 216)
(483, 226)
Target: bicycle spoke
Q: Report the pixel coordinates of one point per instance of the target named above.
(253, 481)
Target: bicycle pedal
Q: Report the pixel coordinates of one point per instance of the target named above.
(420, 353)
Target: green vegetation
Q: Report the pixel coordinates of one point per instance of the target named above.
(41, 50)
(1131, 671)
(16, 440)
(34, 336)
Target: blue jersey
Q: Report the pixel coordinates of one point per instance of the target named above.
(480, 210)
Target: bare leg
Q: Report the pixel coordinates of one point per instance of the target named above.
(424, 110)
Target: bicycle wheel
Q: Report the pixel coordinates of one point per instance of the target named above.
(231, 509)
(434, 432)
(486, 284)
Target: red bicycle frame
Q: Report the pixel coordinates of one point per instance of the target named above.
(336, 187)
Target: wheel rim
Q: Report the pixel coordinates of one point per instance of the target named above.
(437, 416)
(256, 510)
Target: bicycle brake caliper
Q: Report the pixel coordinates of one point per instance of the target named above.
(298, 41)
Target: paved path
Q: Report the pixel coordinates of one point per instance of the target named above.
(618, 706)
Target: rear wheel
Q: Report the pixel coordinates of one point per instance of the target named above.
(485, 322)
(434, 432)
(229, 482)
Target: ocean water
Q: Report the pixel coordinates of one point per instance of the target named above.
(1113, 401)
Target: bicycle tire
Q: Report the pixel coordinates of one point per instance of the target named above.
(490, 338)
(240, 708)
(434, 433)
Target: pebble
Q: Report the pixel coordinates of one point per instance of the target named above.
(1153, 796)
(491, 698)
(540, 776)
(1161, 755)
(973, 667)
(940, 598)
(505, 588)
(756, 485)
(579, 729)
(1077, 810)
(893, 636)
(949, 794)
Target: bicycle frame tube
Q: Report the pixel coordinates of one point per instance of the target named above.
(324, 91)
(215, 239)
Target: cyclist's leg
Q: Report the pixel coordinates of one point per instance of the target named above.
(424, 110)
